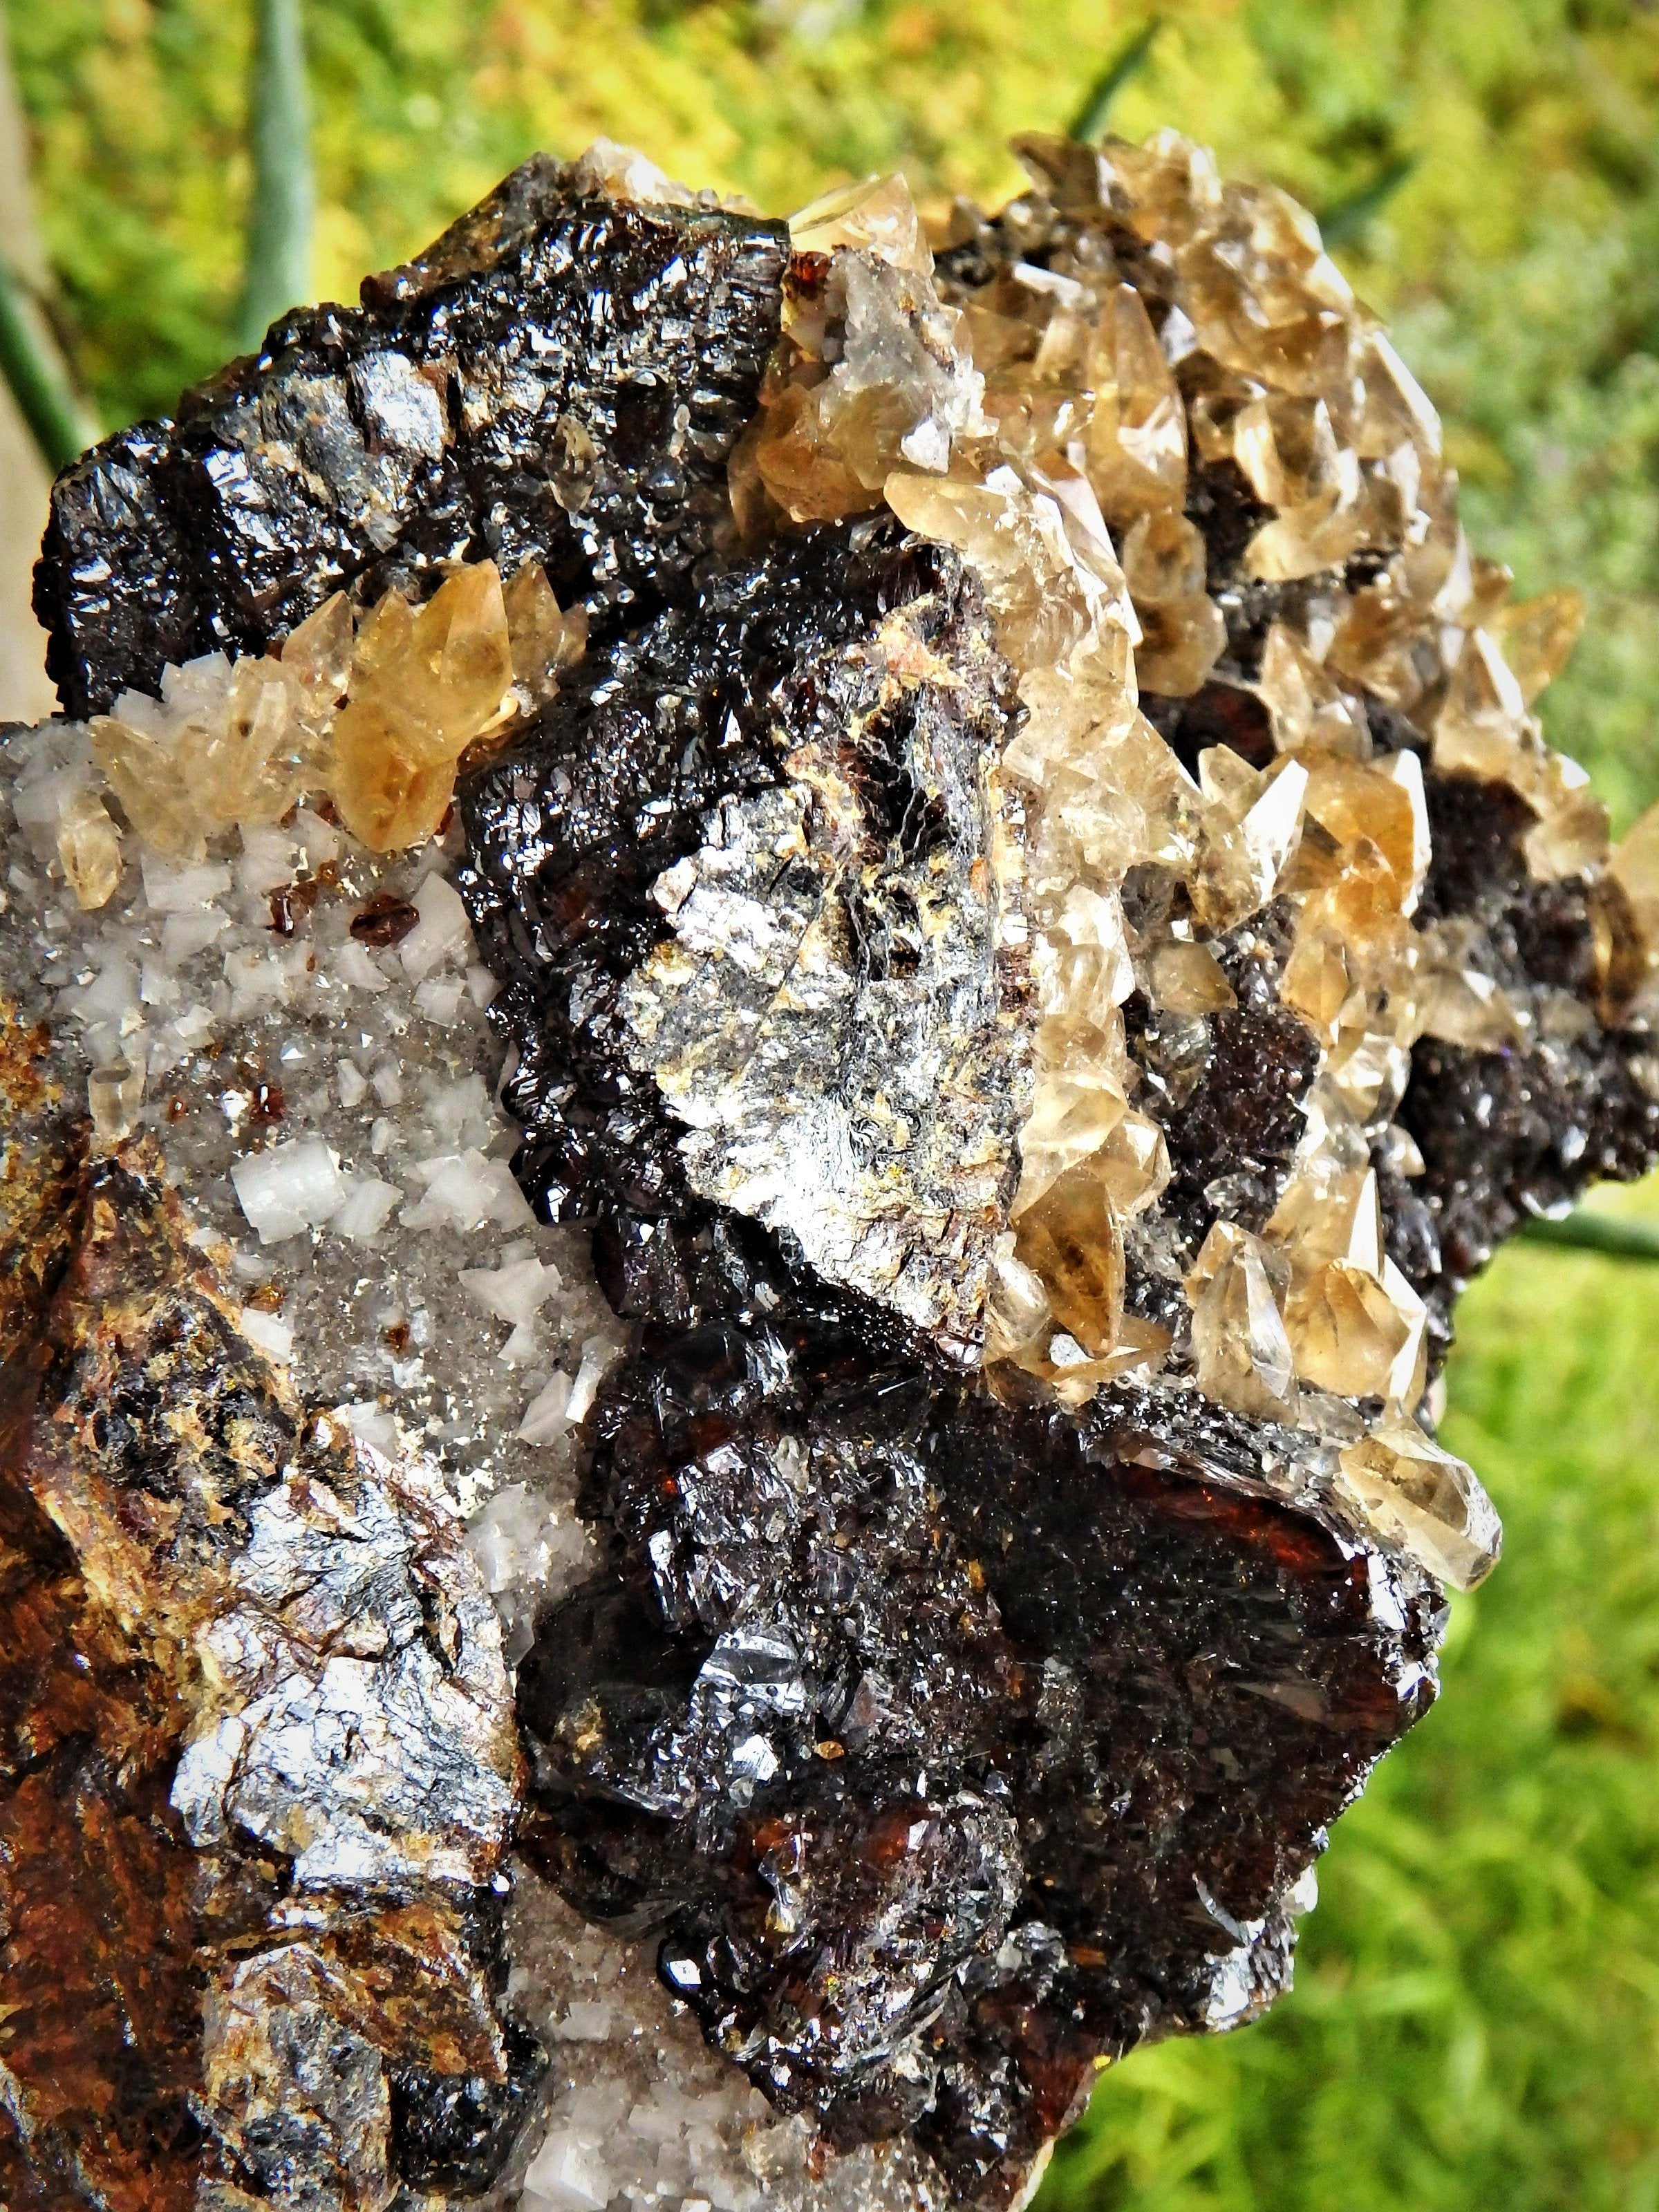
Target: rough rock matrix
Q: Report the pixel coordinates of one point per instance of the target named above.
(957, 804)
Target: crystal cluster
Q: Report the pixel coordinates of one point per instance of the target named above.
(377, 721)
(1039, 937)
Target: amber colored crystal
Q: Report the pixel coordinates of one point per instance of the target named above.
(318, 654)
(1019, 1321)
(1137, 440)
(1344, 1332)
(1187, 979)
(90, 849)
(1484, 729)
(1134, 1163)
(1357, 801)
(1432, 1503)
(876, 215)
(1070, 1120)
(1536, 637)
(807, 464)
(1570, 834)
(227, 743)
(423, 685)
(1310, 710)
(1633, 865)
(1380, 644)
(1182, 632)
(1240, 1348)
(1251, 832)
(457, 663)
(1070, 1240)
(389, 792)
(542, 641)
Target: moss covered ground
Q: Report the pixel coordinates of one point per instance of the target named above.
(1476, 2020)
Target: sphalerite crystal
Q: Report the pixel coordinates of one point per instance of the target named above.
(1036, 928)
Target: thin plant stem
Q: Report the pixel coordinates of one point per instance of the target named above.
(1345, 220)
(1130, 58)
(1586, 1230)
(283, 207)
(46, 398)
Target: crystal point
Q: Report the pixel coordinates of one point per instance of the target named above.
(1426, 1499)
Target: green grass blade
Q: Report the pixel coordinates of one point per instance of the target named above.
(1588, 1232)
(1130, 58)
(44, 398)
(283, 208)
(1345, 220)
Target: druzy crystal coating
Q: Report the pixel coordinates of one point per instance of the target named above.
(1039, 937)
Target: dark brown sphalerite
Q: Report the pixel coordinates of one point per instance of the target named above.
(473, 407)
(956, 1743)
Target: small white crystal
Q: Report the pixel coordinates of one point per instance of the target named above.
(515, 1293)
(182, 890)
(267, 860)
(548, 1415)
(356, 964)
(597, 1357)
(288, 1188)
(273, 1337)
(442, 933)
(368, 1203)
(185, 934)
(567, 2176)
(370, 1423)
(466, 1190)
(440, 998)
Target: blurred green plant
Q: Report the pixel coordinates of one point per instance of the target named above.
(282, 201)
(35, 377)
(1589, 1228)
(1130, 58)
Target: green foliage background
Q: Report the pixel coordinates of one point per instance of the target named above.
(1476, 2022)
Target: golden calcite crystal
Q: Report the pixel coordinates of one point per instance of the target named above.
(241, 741)
(1137, 435)
(1426, 1499)
(893, 388)
(228, 743)
(1628, 946)
(423, 686)
(1164, 334)
(1241, 1353)
(90, 850)
(1070, 1240)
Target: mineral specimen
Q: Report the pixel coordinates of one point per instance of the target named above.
(1039, 937)
(470, 409)
(258, 1764)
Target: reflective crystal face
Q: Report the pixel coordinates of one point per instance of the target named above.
(1201, 739)
(1039, 933)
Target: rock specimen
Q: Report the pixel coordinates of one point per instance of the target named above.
(258, 1766)
(470, 409)
(1039, 933)
(961, 1745)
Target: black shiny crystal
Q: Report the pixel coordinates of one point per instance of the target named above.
(561, 376)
